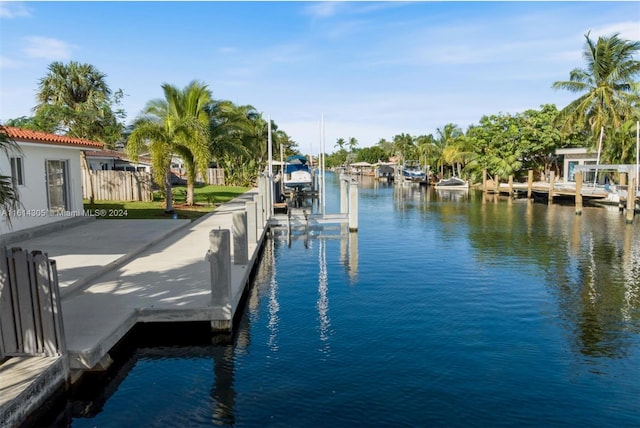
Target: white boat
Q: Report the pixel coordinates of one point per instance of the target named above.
(413, 174)
(453, 183)
(297, 174)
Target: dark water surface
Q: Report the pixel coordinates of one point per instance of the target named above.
(445, 309)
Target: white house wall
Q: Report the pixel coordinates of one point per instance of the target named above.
(33, 194)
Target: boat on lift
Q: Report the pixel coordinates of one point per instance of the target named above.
(297, 173)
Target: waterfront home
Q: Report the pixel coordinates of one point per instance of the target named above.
(576, 156)
(47, 170)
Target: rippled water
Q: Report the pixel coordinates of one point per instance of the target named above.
(443, 310)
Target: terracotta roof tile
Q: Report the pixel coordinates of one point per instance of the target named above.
(27, 135)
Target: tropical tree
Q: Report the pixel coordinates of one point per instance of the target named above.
(9, 196)
(353, 144)
(427, 150)
(453, 147)
(340, 143)
(607, 82)
(177, 124)
(74, 98)
(404, 147)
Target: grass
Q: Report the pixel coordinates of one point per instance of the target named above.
(206, 200)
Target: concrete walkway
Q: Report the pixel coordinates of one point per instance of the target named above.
(86, 251)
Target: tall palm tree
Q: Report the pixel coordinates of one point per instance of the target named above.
(607, 83)
(340, 143)
(452, 147)
(353, 144)
(177, 124)
(76, 98)
(404, 146)
(9, 196)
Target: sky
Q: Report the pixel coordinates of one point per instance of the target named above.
(371, 69)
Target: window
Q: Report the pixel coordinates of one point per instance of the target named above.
(17, 171)
(57, 184)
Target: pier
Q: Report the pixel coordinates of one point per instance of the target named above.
(626, 197)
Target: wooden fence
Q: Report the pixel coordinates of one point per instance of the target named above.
(117, 185)
(30, 311)
(212, 176)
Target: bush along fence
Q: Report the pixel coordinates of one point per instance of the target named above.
(30, 310)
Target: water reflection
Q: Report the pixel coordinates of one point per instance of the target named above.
(323, 298)
(589, 262)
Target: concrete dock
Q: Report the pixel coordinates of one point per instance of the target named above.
(115, 273)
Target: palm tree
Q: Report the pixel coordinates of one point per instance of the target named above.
(76, 98)
(177, 124)
(452, 147)
(340, 143)
(353, 144)
(9, 196)
(607, 84)
(404, 146)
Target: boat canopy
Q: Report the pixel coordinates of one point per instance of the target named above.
(297, 159)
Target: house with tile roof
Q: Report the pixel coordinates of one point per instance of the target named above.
(47, 170)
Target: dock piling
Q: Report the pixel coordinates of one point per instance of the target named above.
(252, 222)
(579, 193)
(220, 268)
(353, 206)
(240, 243)
(530, 184)
(631, 199)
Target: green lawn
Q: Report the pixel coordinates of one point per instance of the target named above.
(206, 200)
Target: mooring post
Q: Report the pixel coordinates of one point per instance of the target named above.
(631, 199)
(552, 179)
(240, 243)
(252, 223)
(220, 268)
(530, 184)
(484, 180)
(344, 190)
(579, 193)
(511, 185)
(353, 206)
(259, 211)
(497, 185)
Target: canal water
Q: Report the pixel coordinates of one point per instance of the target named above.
(445, 309)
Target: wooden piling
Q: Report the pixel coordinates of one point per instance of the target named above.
(484, 180)
(631, 199)
(511, 185)
(530, 184)
(552, 179)
(579, 193)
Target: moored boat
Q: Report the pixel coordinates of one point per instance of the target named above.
(452, 184)
(413, 174)
(297, 174)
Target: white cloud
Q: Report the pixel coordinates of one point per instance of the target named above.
(629, 30)
(13, 10)
(6, 62)
(323, 9)
(47, 48)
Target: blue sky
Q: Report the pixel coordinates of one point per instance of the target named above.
(374, 69)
